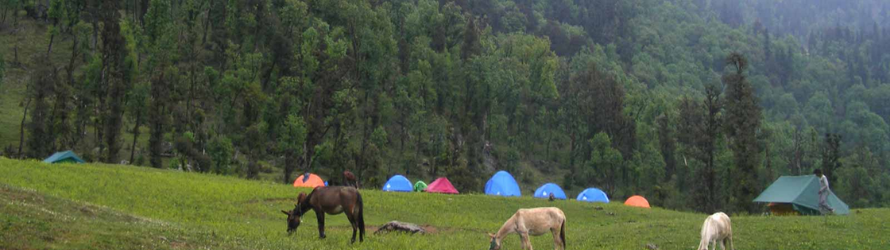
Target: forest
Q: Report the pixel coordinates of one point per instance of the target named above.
(696, 104)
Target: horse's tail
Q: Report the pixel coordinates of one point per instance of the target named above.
(361, 216)
(562, 234)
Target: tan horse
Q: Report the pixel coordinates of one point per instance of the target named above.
(717, 228)
(535, 222)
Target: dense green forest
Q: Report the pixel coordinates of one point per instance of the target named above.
(695, 104)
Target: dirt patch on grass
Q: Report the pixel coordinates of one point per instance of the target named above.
(179, 245)
(430, 229)
(87, 211)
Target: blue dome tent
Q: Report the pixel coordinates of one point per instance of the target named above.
(593, 195)
(502, 184)
(550, 188)
(398, 183)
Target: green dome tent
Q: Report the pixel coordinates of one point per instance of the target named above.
(419, 186)
(801, 193)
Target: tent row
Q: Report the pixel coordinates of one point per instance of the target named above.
(503, 184)
(789, 195)
(399, 183)
(500, 184)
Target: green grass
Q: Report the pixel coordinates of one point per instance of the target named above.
(112, 207)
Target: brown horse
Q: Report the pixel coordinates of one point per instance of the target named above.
(330, 200)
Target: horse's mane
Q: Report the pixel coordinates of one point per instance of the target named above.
(303, 204)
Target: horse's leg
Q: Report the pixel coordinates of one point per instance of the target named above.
(320, 215)
(722, 245)
(522, 241)
(526, 242)
(555, 232)
(556, 238)
(351, 216)
(731, 246)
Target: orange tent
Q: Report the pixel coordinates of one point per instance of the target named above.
(308, 180)
(637, 201)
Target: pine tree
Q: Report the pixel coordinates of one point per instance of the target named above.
(831, 156)
(117, 83)
(698, 129)
(40, 136)
(667, 144)
(157, 118)
(741, 127)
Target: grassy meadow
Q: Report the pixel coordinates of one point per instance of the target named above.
(95, 206)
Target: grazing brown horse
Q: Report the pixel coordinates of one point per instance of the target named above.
(330, 200)
(349, 178)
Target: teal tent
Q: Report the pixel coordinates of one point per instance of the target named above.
(801, 193)
(64, 157)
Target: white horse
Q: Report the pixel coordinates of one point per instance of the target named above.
(535, 222)
(717, 228)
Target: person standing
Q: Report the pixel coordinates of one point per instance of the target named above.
(824, 190)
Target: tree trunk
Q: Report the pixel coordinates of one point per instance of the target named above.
(15, 53)
(135, 136)
(3, 19)
(207, 24)
(288, 167)
(142, 10)
(252, 170)
(49, 48)
(22, 129)
(94, 44)
(15, 31)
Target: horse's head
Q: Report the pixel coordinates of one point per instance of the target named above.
(294, 217)
(495, 242)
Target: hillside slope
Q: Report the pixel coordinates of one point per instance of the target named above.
(110, 206)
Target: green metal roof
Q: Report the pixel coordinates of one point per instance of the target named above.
(802, 191)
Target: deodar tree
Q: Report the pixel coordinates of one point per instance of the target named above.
(742, 124)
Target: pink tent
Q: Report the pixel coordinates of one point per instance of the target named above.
(441, 185)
